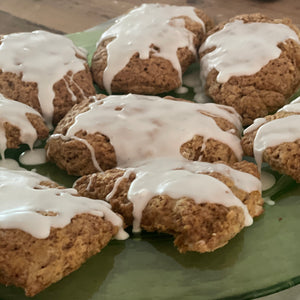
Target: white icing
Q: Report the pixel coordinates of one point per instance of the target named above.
(274, 133)
(269, 201)
(14, 113)
(294, 106)
(140, 127)
(41, 57)
(267, 180)
(181, 90)
(9, 163)
(181, 178)
(149, 24)
(256, 123)
(33, 157)
(21, 202)
(243, 48)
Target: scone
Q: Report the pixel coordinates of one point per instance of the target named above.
(47, 232)
(251, 63)
(275, 139)
(45, 71)
(104, 132)
(147, 50)
(202, 204)
(19, 124)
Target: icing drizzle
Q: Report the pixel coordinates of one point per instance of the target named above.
(147, 25)
(182, 178)
(14, 113)
(41, 57)
(141, 127)
(231, 56)
(24, 200)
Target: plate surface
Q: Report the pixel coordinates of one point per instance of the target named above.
(262, 259)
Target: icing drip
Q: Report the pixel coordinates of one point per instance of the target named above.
(149, 126)
(181, 178)
(147, 25)
(41, 57)
(277, 131)
(234, 40)
(33, 157)
(274, 133)
(14, 113)
(26, 201)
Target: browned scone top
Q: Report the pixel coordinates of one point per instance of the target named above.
(155, 74)
(35, 263)
(74, 156)
(285, 157)
(201, 227)
(264, 92)
(71, 88)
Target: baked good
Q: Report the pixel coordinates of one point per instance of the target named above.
(158, 42)
(46, 232)
(275, 139)
(19, 124)
(251, 63)
(104, 132)
(45, 71)
(202, 204)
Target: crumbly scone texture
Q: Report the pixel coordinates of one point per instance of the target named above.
(13, 134)
(154, 75)
(196, 227)
(78, 85)
(284, 158)
(34, 264)
(73, 156)
(266, 91)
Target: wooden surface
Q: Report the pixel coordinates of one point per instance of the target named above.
(78, 15)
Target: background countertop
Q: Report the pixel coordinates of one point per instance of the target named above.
(77, 15)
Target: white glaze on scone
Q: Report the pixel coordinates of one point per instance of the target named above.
(14, 112)
(149, 24)
(179, 178)
(41, 57)
(23, 200)
(243, 48)
(142, 127)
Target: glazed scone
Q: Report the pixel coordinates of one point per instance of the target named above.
(45, 71)
(202, 204)
(19, 124)
(158, 42)
(252, 63)
(104, 132)
(46, 231)
(275, 139)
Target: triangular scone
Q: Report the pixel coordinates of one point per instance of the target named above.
(46, 231)
(203, 205)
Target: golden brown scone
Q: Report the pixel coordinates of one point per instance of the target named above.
(267, 90)
(74, 156)
(153, 75)
(284, 157)
(34, 263)
(71, 88)
(201, 227)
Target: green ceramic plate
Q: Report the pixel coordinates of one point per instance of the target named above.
(262, 259)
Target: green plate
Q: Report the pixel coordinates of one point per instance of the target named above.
(262, 259)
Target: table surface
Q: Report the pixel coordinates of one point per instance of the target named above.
(78, 15)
